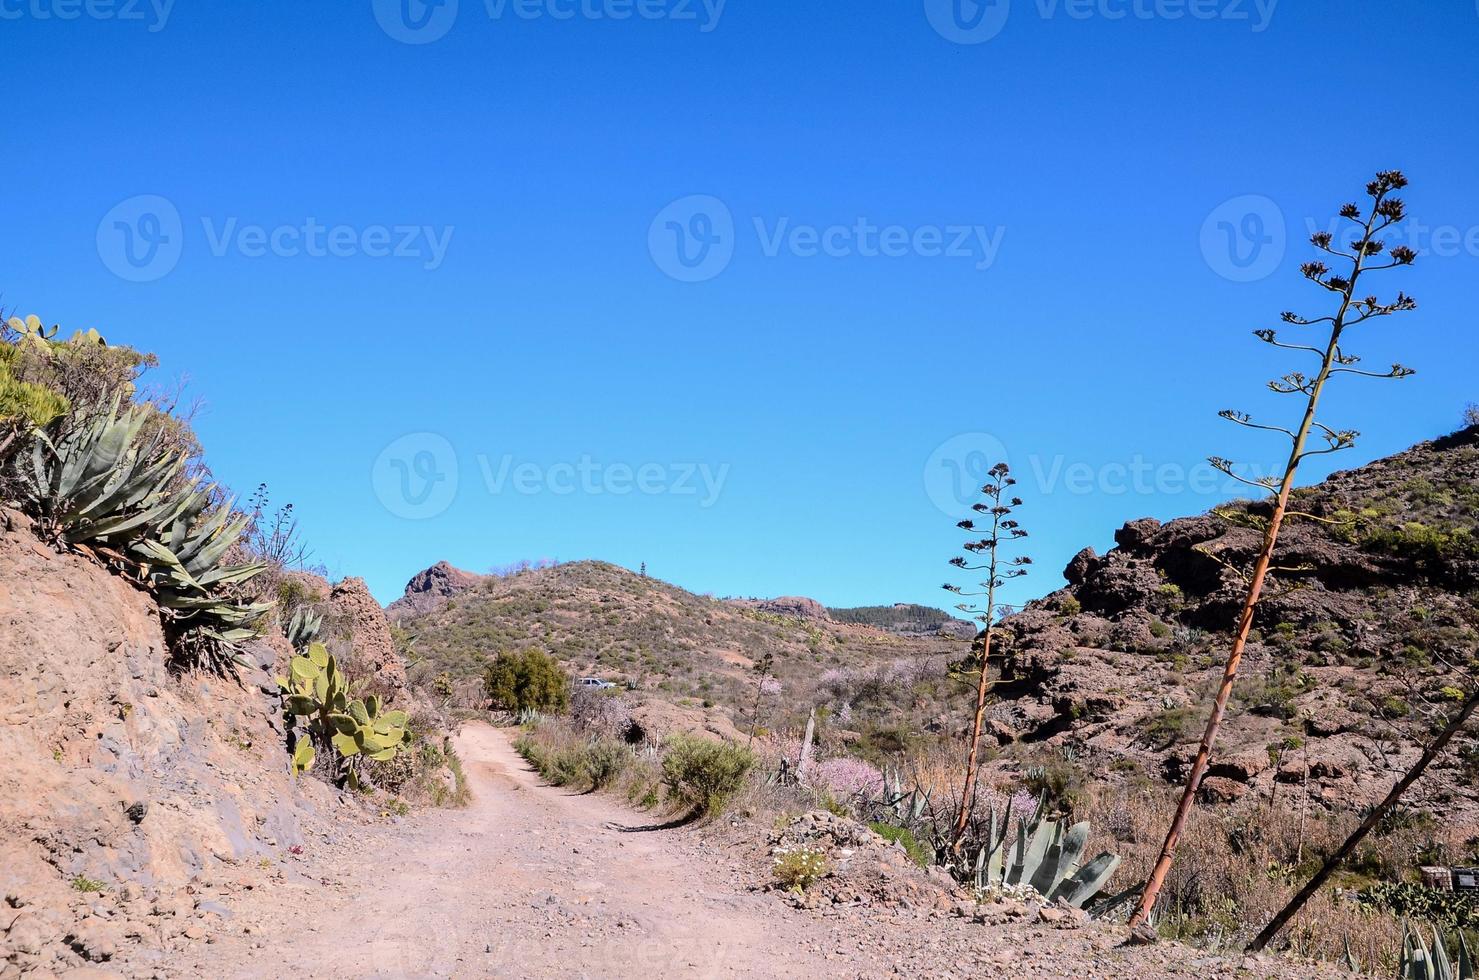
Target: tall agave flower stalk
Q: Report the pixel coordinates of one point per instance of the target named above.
(999, 570)
(1368, 253)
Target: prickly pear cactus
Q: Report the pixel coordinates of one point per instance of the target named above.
(317, 691)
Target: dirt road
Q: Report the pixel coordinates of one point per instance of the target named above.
(534, 881)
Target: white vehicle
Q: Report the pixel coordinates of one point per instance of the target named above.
(593, 683)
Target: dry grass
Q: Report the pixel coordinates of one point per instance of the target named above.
(1237, 867)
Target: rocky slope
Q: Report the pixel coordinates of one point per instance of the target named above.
(1350, 644)
(131, 799)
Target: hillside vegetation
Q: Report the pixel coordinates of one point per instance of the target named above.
(596, 618)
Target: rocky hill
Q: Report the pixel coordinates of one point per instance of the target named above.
(692, 652)
(1374, 594)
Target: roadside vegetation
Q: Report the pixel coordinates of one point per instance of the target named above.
(108, 467)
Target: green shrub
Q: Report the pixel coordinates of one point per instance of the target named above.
(702, 774)
(1159, 630)
(527, 680)
(1396, 707)
(1070, 606)
(606, 761)
(1173, 726)
(905, 839)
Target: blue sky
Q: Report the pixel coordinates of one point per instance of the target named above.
(452, 298)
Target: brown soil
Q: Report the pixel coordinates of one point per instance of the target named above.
(534, 881)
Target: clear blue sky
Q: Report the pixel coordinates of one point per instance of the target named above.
(814, 380)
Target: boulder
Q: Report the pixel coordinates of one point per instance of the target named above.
(1080, 566)
(1136, 535)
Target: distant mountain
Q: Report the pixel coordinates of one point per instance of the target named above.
(907, 619)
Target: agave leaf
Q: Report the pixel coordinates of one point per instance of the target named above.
(1442, 966)
(234, 575)
(1074, 844)
(1088, 881)
(1465, 958)
(1037, 850)
(1044, 876)
(1013, 873)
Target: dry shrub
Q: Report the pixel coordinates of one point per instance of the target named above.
(1238, 866)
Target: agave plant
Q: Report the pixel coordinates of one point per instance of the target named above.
(905, 808)
(96, 488)
(1423, 962)
(183, 567)
(1419, 961)
(93, 485)
(303, 628)
(1045, 856)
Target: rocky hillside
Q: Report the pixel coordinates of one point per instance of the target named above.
(1349, 648)
(690, 651)
(133, 800)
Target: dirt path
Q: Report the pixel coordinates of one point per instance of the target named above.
(533, 881)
